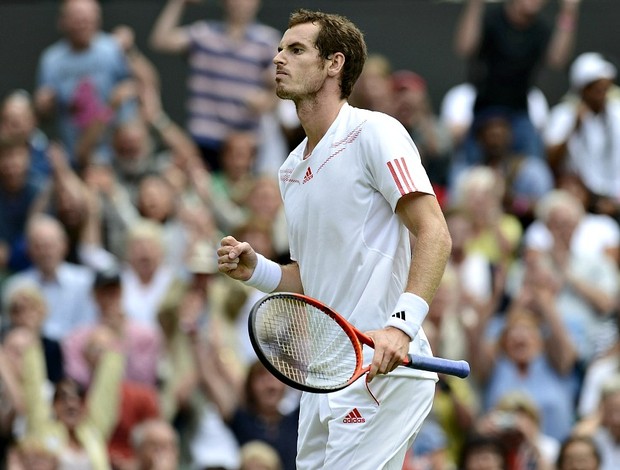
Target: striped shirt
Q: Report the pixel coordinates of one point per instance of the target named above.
(223, 73)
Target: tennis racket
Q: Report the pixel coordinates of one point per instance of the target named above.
(312, 348)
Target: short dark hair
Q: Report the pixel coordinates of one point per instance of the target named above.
(337, 34)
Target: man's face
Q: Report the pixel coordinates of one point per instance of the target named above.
(79, 21)
(300, 71)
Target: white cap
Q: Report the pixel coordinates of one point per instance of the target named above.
(590, 67)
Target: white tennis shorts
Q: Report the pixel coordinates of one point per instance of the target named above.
(350, 429)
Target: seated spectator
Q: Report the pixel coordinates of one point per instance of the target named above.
(65, 286)
(604, 428)
(374, 88)
(579, 453)
(145, 276)
(140, 344)
(527, 178)
(594, 235)
(495, 234)
(137, 402)
(413, 109)
(258, 455)
(18, 121)
(18, 192)
(256, 416)
(156, 445)
(483, 452)
(77, 423)
(515, 420)
(27, 309)
(533, 353)
(596, 374)
(586, 124)
(33, 454)
(586, 282)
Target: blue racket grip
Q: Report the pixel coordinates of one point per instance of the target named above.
(439, 365)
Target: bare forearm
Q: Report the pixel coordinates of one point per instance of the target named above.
(164, 36)
(291, 279)
(468, 32)
(563, 40)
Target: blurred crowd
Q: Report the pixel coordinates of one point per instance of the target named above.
(123, 348)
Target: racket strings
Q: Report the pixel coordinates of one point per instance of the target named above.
(305, 344)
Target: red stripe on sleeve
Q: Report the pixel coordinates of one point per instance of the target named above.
(408, 175)
(402, 169)
(396, 180)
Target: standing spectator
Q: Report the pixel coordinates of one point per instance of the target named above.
(230, 81)
(83, 77)
(66, 286)
(583, 132)
(507, 44)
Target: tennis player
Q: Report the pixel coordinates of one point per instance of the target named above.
(355, 196)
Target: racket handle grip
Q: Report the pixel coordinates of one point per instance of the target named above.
(439, 365)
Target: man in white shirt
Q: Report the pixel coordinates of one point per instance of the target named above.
(354, 192)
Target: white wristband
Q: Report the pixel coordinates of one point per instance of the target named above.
(266, 276)
(409, 314)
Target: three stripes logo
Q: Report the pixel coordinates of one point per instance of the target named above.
(400, 315)
(308, 176)
(354, 416)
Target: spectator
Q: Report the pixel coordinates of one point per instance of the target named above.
(412, 107)
(516, 421)
(18, 192)
(230, 81)
(523, 358)
(457, 110)
(65, 286)
(83, 77)
(258, 415)
(27, 308)
(185, 314)
(140, 344)
(78, 423)
(33, 454)
(18, 121)
(507, 43)
(581, 131)
(495, 233)
(137, 401)
(483, 452)
(586, 282)
(145, 276)
(595, 234)
(374, 89)
(527, 178)
(156, 445)
(257, 455)
(579, 453)
(605, 428)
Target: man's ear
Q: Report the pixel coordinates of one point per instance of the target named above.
(337, 60)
